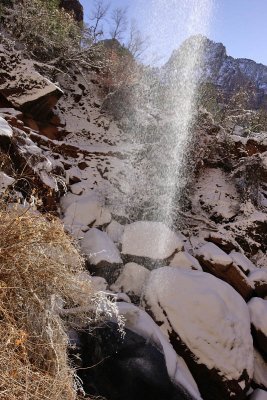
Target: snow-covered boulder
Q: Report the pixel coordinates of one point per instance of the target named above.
(185, 260)
(81, 212)
(259, 279)
(260, 370)
(5, 181)
(242, 262)
(220, 264)
(115, 231)
(99, 248)
(5, 129)
(149, 240)
(131, 280)
(258, 394)
(208, 323)
(258, 314)
(141, 323)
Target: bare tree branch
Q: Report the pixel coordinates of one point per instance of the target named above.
(98, 15)
(119, 23)
(137, 44)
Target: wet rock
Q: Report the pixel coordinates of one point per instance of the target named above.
(220, 264)
(208, 324)
(126, 366)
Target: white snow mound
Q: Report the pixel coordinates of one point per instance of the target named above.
(209, 316)
(150, 239)
(98, 247)
(258, 313)
(131, 280)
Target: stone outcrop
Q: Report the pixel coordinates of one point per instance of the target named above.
(74, 7)
(217, 262)
(23, 88)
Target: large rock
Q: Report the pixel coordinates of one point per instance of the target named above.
(131, 280)
(258, 315)
(23, 87)
(102, 255)
(182, 259)
(259, 279)
(124, 366)
(220, 264)
(74, 7)
(83, 212)
(141, 323)
(259, 394)
(150, 241)
(208, 324)
(260, 371)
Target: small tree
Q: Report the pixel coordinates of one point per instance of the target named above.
(99, 13)
(119, 23)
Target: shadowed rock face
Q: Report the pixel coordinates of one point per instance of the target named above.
(126, 367)
(73, 6)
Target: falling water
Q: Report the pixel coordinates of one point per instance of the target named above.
(158, 172)
(182, 94)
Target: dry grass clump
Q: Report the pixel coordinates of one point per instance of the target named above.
(38, 265)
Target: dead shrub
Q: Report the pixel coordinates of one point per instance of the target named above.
(38, 266)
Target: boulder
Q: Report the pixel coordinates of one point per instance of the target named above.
(220, 264)
(83, 212)
(208, 324)
(124, 366)
(260, 371)
(259, 279)
(138, 321)
(102, 255)
(182, 259)
(131, 280)
(150, 242)
(5, 129)
(24, 88)
(242, 262)
(5, 182)
(115, 231)
(259, 394)
(258, 314)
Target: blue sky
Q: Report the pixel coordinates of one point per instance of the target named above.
(241, 25)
